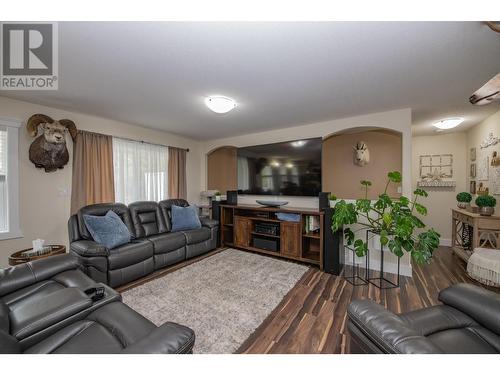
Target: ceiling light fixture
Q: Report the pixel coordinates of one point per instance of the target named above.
(220, 104)
(298, 143)
(448, 123)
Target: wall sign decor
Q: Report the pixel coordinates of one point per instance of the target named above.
(473, 170)
(473, 154)
(472, 187)
(490, 141)
(495, 159)
(496, 181)
(482, 168)
(436, 170)
(49, 150)
(436, 167)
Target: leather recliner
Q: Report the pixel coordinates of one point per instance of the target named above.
(44, 309)
(153, 245)
(467, 322)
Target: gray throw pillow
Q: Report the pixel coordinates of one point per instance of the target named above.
(108, 230)
(185, 218)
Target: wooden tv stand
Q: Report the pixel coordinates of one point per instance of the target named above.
(293, 242)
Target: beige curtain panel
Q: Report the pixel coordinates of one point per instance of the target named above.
(93, 180)
(177, 186)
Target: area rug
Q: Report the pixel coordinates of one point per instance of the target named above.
(223, 298)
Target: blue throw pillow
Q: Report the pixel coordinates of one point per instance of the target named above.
(108, 230)
(185, 218)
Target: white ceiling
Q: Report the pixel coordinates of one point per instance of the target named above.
(281, 74)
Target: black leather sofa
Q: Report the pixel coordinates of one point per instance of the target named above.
(468, 321)
(153, 246)
(44, 309)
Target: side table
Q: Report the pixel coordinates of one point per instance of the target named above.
(19, 257)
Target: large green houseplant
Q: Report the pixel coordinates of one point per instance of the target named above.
(393, 219)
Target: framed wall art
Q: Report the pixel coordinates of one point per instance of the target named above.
(472, 187)
(473, 154)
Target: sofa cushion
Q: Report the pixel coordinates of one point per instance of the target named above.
(147, 219)
(46, 311)
(197, 235)
(4, 317)
(466, 341)
(101, 209)
(8, 344)
(166, 209)
(436, 318)
(30, 294)
(166, 242)
(107, 230)
(107, 330)
(27, 274)
(185, 218)
(131, 253)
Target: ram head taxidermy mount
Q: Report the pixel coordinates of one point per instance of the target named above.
(49, 150)
(489, 92)
(361, 154)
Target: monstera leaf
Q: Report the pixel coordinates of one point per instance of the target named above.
(394, 220)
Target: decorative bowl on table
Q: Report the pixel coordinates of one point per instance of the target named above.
(272, 203)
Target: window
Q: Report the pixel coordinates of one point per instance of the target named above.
(140, 171)
(9, 180)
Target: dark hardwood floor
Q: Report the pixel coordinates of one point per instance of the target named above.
(312, 317)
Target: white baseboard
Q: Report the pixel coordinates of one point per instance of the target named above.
(445, 242)
(389, 267)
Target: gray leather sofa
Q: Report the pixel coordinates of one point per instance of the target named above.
(468, 321)
(44, 309)
(153, 246)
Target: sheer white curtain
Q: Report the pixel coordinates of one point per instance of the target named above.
(243, 174)
(3, 182)
(140, 171)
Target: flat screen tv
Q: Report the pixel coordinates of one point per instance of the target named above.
(286, 168)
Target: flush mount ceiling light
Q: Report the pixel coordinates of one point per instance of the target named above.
(220, 104)
(448, 123)
(298, 143)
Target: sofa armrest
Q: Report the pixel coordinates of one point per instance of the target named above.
(210, 223)
(386, 330)
(20, 276)
(480, 304)
(169, 338)
(87, 248)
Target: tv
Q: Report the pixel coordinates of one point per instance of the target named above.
(287, 168)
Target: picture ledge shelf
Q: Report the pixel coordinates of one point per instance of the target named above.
(444, 184)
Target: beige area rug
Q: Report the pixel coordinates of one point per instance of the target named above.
(223, 298)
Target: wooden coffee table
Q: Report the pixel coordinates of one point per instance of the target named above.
(19, 257)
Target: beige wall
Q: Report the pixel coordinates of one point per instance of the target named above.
(45, 197)
(342, 177)
(441, 200)
(475, 136)
(399, 120)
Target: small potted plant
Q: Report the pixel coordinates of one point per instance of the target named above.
(217, 196)
(333, 200)
(486, 204)
(463, 199)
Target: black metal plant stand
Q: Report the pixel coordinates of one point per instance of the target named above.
(355, 277)
(381, 281)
